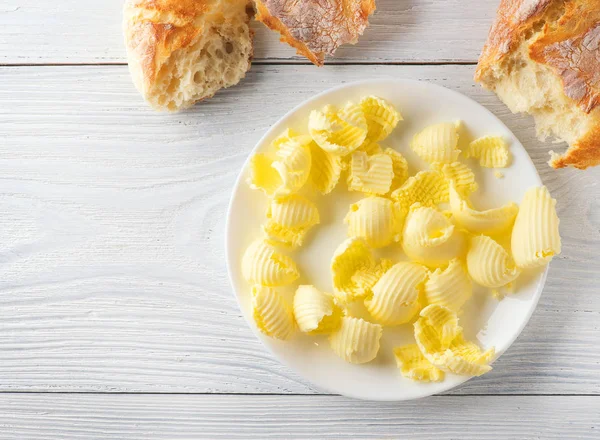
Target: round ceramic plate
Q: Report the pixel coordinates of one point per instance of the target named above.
(485, 319)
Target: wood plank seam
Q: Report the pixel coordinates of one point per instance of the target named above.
(323, 394)
(271, 62)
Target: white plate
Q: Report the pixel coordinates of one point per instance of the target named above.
(486, 320)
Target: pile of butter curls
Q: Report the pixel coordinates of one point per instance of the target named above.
(450, 243)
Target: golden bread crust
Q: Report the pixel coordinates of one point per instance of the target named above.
(150, 43)
(263, 15)
(583, 153)
(156, 29)
(563, 36)
(513, 20)
(185, 10)
(572, 49)
(316, 28)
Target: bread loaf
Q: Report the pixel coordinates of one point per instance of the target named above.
(183, 51)
(316, 28)
(543, 57)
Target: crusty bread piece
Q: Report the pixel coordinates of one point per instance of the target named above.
(543, 57)
(183, 51)
(316, 28)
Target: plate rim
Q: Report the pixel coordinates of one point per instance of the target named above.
(240, 180)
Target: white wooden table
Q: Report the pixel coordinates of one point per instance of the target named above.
(117, 319)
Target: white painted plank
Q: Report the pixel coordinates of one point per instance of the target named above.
(111, 239)
(126, 417)
(65, 31)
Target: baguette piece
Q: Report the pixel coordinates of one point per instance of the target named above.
(542, 57)
(316, 28)
(183, 51)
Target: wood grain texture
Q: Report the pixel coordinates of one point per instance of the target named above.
(62, 31)
(86, 417)
(111, 238)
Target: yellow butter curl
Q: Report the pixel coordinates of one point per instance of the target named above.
(356, 341)
(370, 147)
(460, 175)
(467, 358)
(535, 236)
(491, 221)
(381, 117)
(489, 264)
(285, 169)
(437, 143)
(365, 278)
(293, 162)
(442, 326)
(415, 366)
(289, 219)
(430, 237)
(400, 168)
(325, 170)
(450, 287)
(315, 311)
(395, 297)
(338, 132)
(263, 176)
(374, 219)
(429, 188)
(441, 341)
(351, 257)
(491, 151)
(370, 174)
(355, 270)
(262, 264)
(272, 314)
